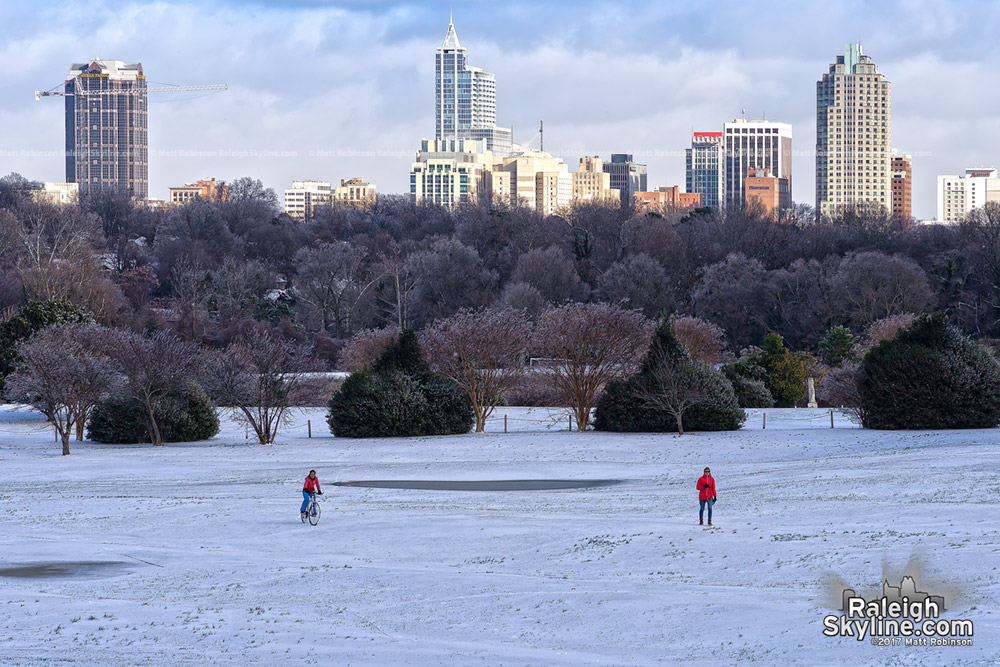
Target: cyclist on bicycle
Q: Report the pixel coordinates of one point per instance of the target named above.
(310, 487)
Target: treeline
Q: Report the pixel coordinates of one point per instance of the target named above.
(211, 272)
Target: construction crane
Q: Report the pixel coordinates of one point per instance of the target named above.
(53, 92)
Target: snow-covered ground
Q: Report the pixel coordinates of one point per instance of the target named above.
(194, 553)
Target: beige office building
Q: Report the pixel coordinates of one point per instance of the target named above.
(853, 135)
(451, 172)
(355, 192)
(303, 197)
(592, 184)
(537, 180)
(204, 190)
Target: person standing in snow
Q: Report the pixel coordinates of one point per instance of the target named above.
(706, 496)
(311, 486)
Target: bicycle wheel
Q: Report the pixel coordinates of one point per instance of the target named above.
(314, 514)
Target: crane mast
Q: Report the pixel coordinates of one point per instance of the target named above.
(52, 92)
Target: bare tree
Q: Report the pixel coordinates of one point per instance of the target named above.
(735, 294)
(886, 328)
(552, 273)
(842, 388)
(333, 280)
(871, 285)
(703, 340)
(257, 377)
(364, 348)
(677, 385)
(587, 346)
(394, 290)
(62, 377)
(637, 282)
(450, 276)
(152, 368)
(483, 352)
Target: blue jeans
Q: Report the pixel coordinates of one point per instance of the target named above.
(701, 512)
(306, 497)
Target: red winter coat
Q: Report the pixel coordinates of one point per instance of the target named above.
(311, 485)
(706, 487)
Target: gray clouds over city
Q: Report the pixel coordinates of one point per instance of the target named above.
(335, 90)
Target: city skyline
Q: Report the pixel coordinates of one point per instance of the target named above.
(301, 106)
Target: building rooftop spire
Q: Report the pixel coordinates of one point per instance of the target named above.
(451, 39)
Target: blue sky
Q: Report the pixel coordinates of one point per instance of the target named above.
(332, 90)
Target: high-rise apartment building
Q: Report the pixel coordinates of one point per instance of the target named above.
(465, 99)
(106, 127)
(303, 197)
(902, 186)
(853, 135)
(451, 172)
(705, 168)
(757, 144)
(957, 195)
(592, 183)
(627, 176)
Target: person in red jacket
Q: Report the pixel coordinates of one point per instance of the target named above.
(311, 486)
(706, 496)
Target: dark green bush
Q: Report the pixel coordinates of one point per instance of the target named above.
(751, 393)
(621, 408)
(185, 417)
(31, 318)
(398, 397)
(930, 377)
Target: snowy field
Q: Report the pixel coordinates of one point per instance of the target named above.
(194, 553)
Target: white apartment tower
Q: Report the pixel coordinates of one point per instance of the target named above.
(465, 99)
(853, 135)
(757, 145)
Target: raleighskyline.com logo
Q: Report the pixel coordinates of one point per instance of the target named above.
(902, 616)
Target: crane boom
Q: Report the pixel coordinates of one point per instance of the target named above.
(159, 89)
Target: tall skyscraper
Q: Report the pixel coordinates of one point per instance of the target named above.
(106, 127)
(853, 135)
(705, 168)
(627, 176)
(465, 99)
(902, 186)
(757, 145)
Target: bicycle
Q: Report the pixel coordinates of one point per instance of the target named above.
(312, 510)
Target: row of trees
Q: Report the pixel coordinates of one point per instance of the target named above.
(209, 271)
(913, 373)
(133, 387)
(597, 356)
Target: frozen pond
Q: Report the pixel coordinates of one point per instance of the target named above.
(483, 485)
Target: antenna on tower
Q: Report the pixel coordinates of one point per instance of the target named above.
(541, 136)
